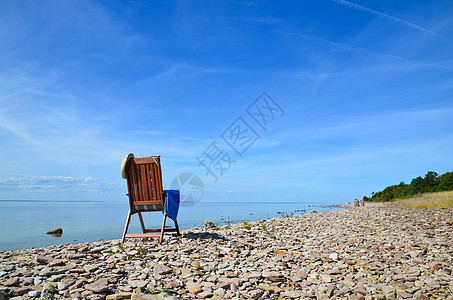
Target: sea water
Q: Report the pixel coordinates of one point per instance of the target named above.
(23, 224)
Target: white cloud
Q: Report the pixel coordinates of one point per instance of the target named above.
(53, 184)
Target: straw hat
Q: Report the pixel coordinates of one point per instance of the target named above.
(124, 164)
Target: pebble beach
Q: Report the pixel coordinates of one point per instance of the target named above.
(376, 251)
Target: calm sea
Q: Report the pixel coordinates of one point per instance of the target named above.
(23, 224)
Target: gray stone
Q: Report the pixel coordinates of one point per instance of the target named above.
(205, 294)
(120, 296)
(255, 294)
(47, 295)
(162, 269)
(208, 225)
(4, 295)
(62, 286)
(220, 292)
(333, 256)
(55, 231)
(43, 259)
(138, 283)
(34, 294)
(12, 281)
(21, 291)
(255, 274)
(96, 287)
(90, 268)
(292, 294)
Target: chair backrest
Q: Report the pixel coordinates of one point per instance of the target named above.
(144, 184)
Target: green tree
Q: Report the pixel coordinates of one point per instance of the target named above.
(432, 182)
(429, 182)
(416, 186)
(445, 182)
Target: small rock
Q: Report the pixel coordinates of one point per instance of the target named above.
(238, 282)
(292, 294)
(222, 285)
(76, 255)
(55, 231)
(34, 294)
(47, 295)
(360, 290)
(49, 287)
(208, 225)
(44, 260)
(255, 294)
(229, 274)
(333, 256)
(55, 263)
(275, 278)
(333, 272)
(97, 287)
(162, 270)
(78, 284)
(138, 283)
(205, 294)
(4, 295)
(12, 281)
(434, 265)
(139, 296)
(62, 286)
(21, 291)
(255, 274)
(403, 294)
(120, 296)
(90, 268)
(233, 287)
(219, 292)
(194, 288)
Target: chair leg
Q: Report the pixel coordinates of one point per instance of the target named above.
(177, 228)
(163, 228)
(126, 226)
(141, 222)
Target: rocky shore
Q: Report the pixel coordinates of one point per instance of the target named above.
(376, 251)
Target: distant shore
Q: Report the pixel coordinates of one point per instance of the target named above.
(376, 251)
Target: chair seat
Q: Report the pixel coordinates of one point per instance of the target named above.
(151, 207)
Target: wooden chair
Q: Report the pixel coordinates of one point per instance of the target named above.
(144, 184)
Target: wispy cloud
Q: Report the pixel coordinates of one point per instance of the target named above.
(180, 71)
(53, 184)
(371, 124)
(380, 14)
(362, 52)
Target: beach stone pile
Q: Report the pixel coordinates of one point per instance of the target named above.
(376, 251)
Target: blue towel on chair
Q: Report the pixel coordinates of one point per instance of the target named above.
(171, 205)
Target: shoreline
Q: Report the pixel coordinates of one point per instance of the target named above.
(27, 238)
(31, 234)
(378, 250)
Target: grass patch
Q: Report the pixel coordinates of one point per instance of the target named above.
(429, 200)
(247, 225)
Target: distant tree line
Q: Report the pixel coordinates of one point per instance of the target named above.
(432, 182)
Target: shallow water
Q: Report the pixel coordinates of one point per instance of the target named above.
(23, 224)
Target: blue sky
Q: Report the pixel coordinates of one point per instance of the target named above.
(366, 88)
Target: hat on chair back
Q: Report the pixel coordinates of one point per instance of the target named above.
(124, 164)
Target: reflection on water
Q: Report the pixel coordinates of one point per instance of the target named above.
(56, 235)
